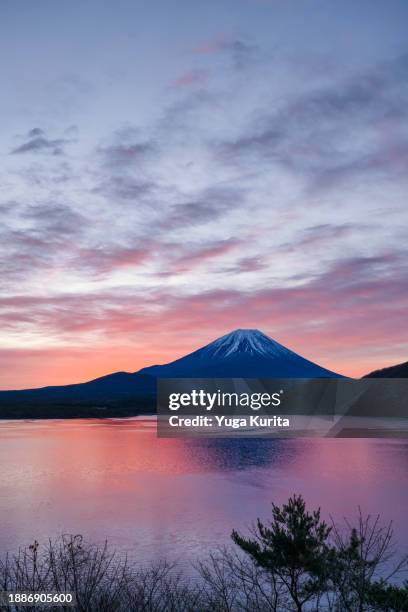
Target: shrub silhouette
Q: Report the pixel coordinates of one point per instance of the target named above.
(295, 562)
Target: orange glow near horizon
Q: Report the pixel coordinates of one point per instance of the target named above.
(23, 369)
(170, 179)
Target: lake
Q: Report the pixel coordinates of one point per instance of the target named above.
(155, 498)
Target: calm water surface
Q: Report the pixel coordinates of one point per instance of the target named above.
(158, 498)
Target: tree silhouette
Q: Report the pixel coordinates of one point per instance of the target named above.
(294, 546)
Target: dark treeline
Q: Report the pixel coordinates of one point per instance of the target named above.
(21, 408)
(294, 562)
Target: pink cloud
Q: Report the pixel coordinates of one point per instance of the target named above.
(350, 319)
(108, 259)
(190, 78)
(212, 45)
(195, 258)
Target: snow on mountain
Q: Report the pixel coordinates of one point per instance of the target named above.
(242, 353)
(251, 341)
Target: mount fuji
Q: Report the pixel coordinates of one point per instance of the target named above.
(243, 353)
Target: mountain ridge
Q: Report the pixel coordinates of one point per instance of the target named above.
(400, 370)
(241, 353)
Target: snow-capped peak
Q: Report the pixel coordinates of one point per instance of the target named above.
(250, 341)
(243, 353)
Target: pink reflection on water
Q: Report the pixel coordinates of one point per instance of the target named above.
(154, 497)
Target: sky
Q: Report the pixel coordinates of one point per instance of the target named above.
(171, 171)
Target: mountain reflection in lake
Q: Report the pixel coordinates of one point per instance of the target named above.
(177, 498)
